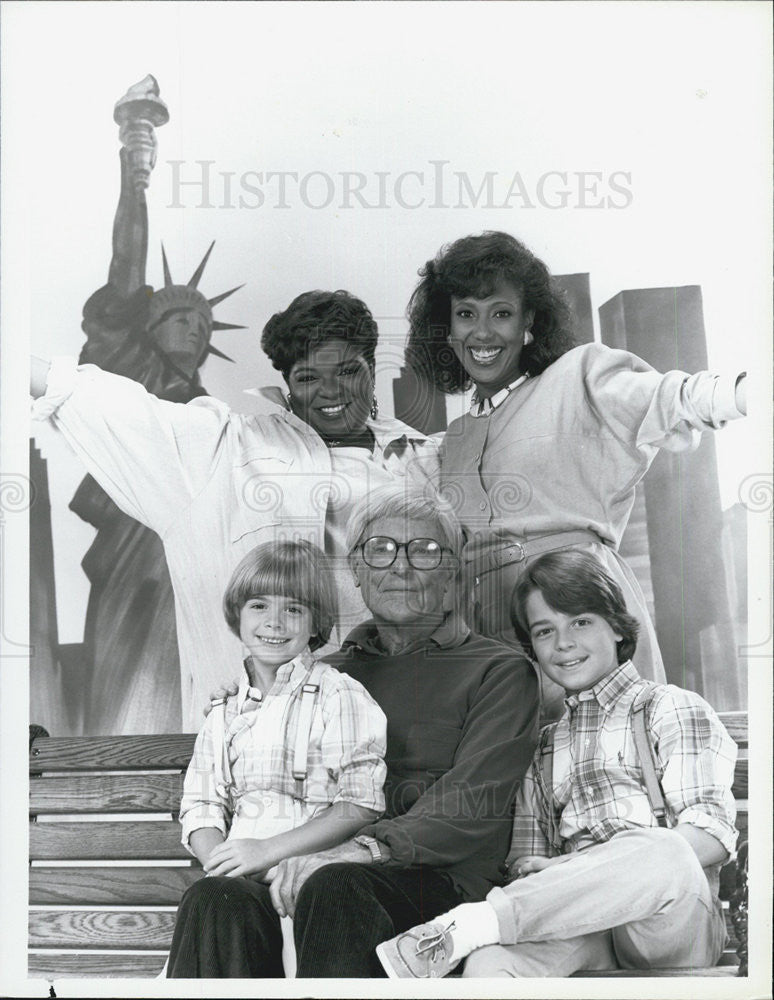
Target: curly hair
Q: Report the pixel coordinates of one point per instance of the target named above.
(574, 583)
(474, 266)
(298, 570)
(311, 319)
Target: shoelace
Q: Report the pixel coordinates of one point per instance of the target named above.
(434, 943)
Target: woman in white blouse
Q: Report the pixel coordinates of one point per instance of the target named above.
(213, 483)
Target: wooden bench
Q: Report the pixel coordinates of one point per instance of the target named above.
(107, 869)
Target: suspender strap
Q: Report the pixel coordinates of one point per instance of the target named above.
(546, 764)
(223, 777)
(647, 759)
(301, 748)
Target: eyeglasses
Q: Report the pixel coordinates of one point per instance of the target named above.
(381, 551)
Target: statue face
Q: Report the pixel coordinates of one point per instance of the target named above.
(183, 335)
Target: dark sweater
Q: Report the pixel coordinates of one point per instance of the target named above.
(462, 724)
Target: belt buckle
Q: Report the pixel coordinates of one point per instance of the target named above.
(516, 547)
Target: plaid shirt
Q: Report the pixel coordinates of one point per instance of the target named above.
(598, 787)
(345, 759)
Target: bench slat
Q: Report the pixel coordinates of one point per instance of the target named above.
(111, 753)
(741, 772)
(127, 753)
(156, 793)
(110, 793)
(742, 820)
(110, 886)
(157, 839)
(101, 929)
(69, 965)
(736, 723)
(80, 753)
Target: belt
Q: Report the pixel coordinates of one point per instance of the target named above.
(506, 551)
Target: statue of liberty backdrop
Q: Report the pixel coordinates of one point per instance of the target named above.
(159, 339)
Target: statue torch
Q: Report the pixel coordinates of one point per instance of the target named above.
(137, 114)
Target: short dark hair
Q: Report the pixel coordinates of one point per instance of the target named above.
(311, 319)
(298, 570)
(574, 582)
(474, 266)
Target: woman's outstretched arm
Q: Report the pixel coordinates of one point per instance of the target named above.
(38, 376)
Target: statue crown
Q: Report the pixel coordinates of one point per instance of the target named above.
(187, 296)
(178, 297)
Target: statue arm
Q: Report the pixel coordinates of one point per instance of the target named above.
(130, 235)
(116, 314)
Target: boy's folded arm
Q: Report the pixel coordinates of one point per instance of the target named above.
(353, 747)
(203, 805)
(202, 841)
(330, 828)
(707, 848)
(528, 838)
(202, 815)
(698, 757)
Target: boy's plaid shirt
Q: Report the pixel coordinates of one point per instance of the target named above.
(597, 778)
(345, 759)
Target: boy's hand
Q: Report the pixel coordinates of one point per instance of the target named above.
(240, 856)
(220, 694)
(532, 863)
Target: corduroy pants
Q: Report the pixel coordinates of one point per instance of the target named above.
(227, 927)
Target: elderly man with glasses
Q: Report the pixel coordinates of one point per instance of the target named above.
(462, 714)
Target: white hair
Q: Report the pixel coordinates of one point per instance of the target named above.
(408, 502)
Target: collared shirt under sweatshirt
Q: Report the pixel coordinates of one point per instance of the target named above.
(462, 715)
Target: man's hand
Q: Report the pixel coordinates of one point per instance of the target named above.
(220, 694)
(239, 856)
(532, 863)
(290, 876)
(293, 872)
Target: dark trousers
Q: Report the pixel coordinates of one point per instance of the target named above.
(227, 927)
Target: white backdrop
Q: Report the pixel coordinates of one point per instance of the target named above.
(618, 140)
